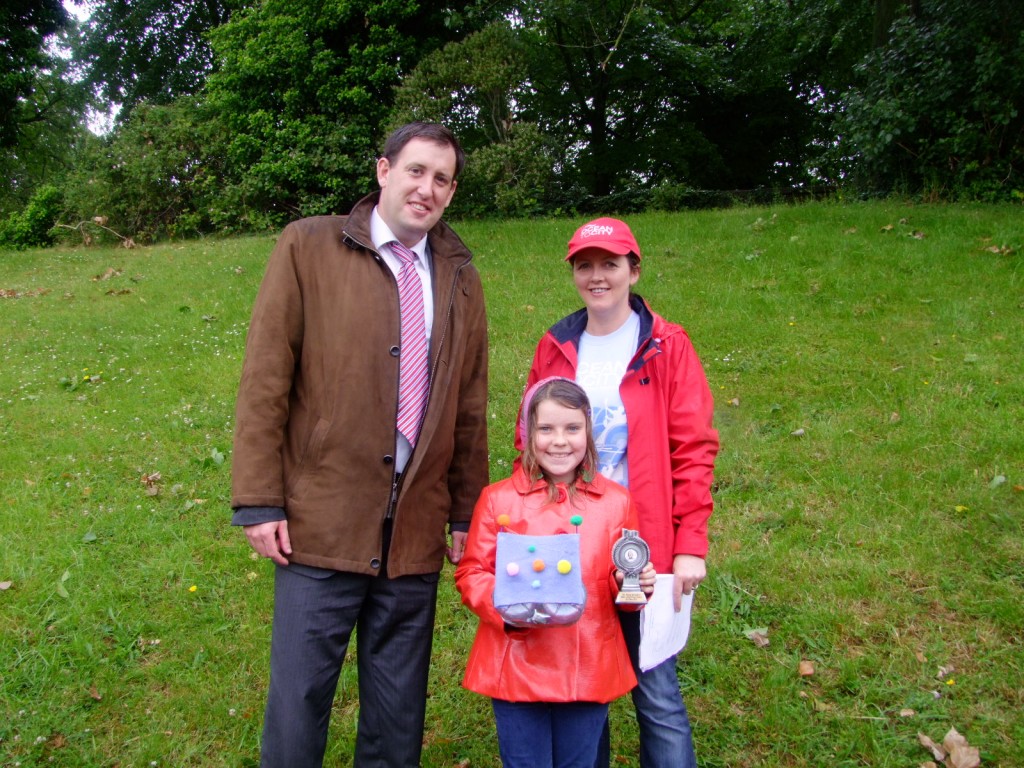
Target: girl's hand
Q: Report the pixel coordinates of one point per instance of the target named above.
(648, 577)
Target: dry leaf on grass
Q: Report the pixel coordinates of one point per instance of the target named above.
(806, 668)
(955, 752)
(937, 752)
(151, 481)
(758, 637)
(961, 754)
(109, 273)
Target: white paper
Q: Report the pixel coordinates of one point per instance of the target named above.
(663, 632)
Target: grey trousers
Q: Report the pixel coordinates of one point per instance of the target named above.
(315, 613)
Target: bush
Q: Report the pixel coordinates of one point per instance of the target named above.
(940, 111)
(32, 227)
(680, 197)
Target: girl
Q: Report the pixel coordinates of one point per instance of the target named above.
(551, 685)
(652, 412)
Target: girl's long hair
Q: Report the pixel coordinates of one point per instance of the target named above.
(567, 394)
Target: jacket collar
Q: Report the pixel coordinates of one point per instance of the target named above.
(569, 329)
(444, 243)
(595, 488)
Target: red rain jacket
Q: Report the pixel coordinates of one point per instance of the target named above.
(586, 661)
(671, 444)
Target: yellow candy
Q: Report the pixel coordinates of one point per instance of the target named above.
(564, 566)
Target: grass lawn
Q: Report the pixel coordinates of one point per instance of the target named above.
(866, 575)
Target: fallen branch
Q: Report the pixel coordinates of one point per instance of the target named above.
(101, 222)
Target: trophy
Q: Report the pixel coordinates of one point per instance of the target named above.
(630, 554)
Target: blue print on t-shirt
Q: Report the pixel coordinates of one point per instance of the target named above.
(610, 436)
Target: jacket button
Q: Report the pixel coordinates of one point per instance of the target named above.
(394, 351)
(389, 460)
(375, 563)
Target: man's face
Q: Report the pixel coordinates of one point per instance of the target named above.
(416, 188)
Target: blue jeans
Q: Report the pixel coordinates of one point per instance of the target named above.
(666, 740)
(548, 734)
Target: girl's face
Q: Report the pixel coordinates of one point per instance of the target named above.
(559, 440)
(603, 281)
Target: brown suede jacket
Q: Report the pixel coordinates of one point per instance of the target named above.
(316, 410)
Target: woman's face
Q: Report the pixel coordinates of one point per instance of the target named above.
(603, 281)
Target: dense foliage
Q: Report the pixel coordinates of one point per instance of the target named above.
(33, 226)
(25, 26)
(303, 90)
(941, 107)
(135, 51)
(237, 115)
(157, 176)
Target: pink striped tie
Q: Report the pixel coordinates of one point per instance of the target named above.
(412, 362)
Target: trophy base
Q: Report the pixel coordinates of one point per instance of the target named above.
(631, 598)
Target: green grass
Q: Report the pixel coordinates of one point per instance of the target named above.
(883, 543)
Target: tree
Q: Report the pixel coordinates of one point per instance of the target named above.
(25, 26)
(476, 87)
(159, 175)
(629, 96)
(939, 108)
(43, 107)
(131, 51)
(305, 88)
(50, 129)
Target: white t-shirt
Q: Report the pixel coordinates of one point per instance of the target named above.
(602, 362)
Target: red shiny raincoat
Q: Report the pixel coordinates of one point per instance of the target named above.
(586, 661)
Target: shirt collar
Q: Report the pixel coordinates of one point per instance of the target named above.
(381, 234)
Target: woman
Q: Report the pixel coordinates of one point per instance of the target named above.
(652, 413)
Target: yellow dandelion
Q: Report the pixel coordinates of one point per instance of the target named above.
(193, 588)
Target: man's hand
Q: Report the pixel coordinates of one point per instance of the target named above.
(270, 540)
(458, 546)
(689, 571)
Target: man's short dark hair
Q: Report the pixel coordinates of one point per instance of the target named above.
(431, 132)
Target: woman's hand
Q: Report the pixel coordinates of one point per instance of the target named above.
(689, 571)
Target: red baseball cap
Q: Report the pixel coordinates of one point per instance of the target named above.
(604, 234)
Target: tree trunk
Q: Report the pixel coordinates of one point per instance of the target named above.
(886, 12)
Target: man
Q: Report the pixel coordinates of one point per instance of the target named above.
(360, 433)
